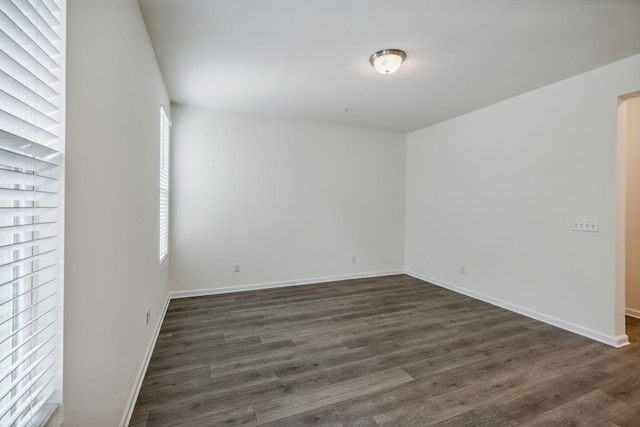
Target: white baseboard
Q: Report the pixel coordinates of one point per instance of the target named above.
(632, 313)
(282, 284)
(133, 397)
(615, 341)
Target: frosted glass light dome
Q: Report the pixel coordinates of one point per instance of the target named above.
(387, 61)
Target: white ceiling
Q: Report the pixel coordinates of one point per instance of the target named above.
(309, 59)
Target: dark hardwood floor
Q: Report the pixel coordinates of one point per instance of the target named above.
(379, 352)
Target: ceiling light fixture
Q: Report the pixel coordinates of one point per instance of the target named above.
(387, 61)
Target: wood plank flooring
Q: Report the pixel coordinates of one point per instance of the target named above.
(386, 351)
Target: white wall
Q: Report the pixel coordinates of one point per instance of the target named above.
(112, 271)
(289, 200)
(495, 191)
(632, 136)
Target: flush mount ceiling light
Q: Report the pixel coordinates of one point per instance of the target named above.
(387, 61)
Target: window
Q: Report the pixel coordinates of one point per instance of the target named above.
(32, 58)
(165, 130)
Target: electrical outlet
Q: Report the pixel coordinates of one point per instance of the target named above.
(236, 268)
(353, 259)
(148, 314)
(463, 271)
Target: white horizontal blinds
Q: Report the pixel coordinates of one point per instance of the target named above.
(31, 170)
(165, 131)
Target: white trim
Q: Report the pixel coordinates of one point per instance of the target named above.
(282, 284)
(133, 397)
(632, 313)
(615, 341)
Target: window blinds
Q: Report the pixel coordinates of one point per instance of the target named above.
(32, 55)
(165, 131)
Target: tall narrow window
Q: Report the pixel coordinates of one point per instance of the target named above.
(165, 131)
(32, 94)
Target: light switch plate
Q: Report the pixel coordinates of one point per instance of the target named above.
(584, 225)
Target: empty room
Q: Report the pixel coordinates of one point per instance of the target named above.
(319, 213)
